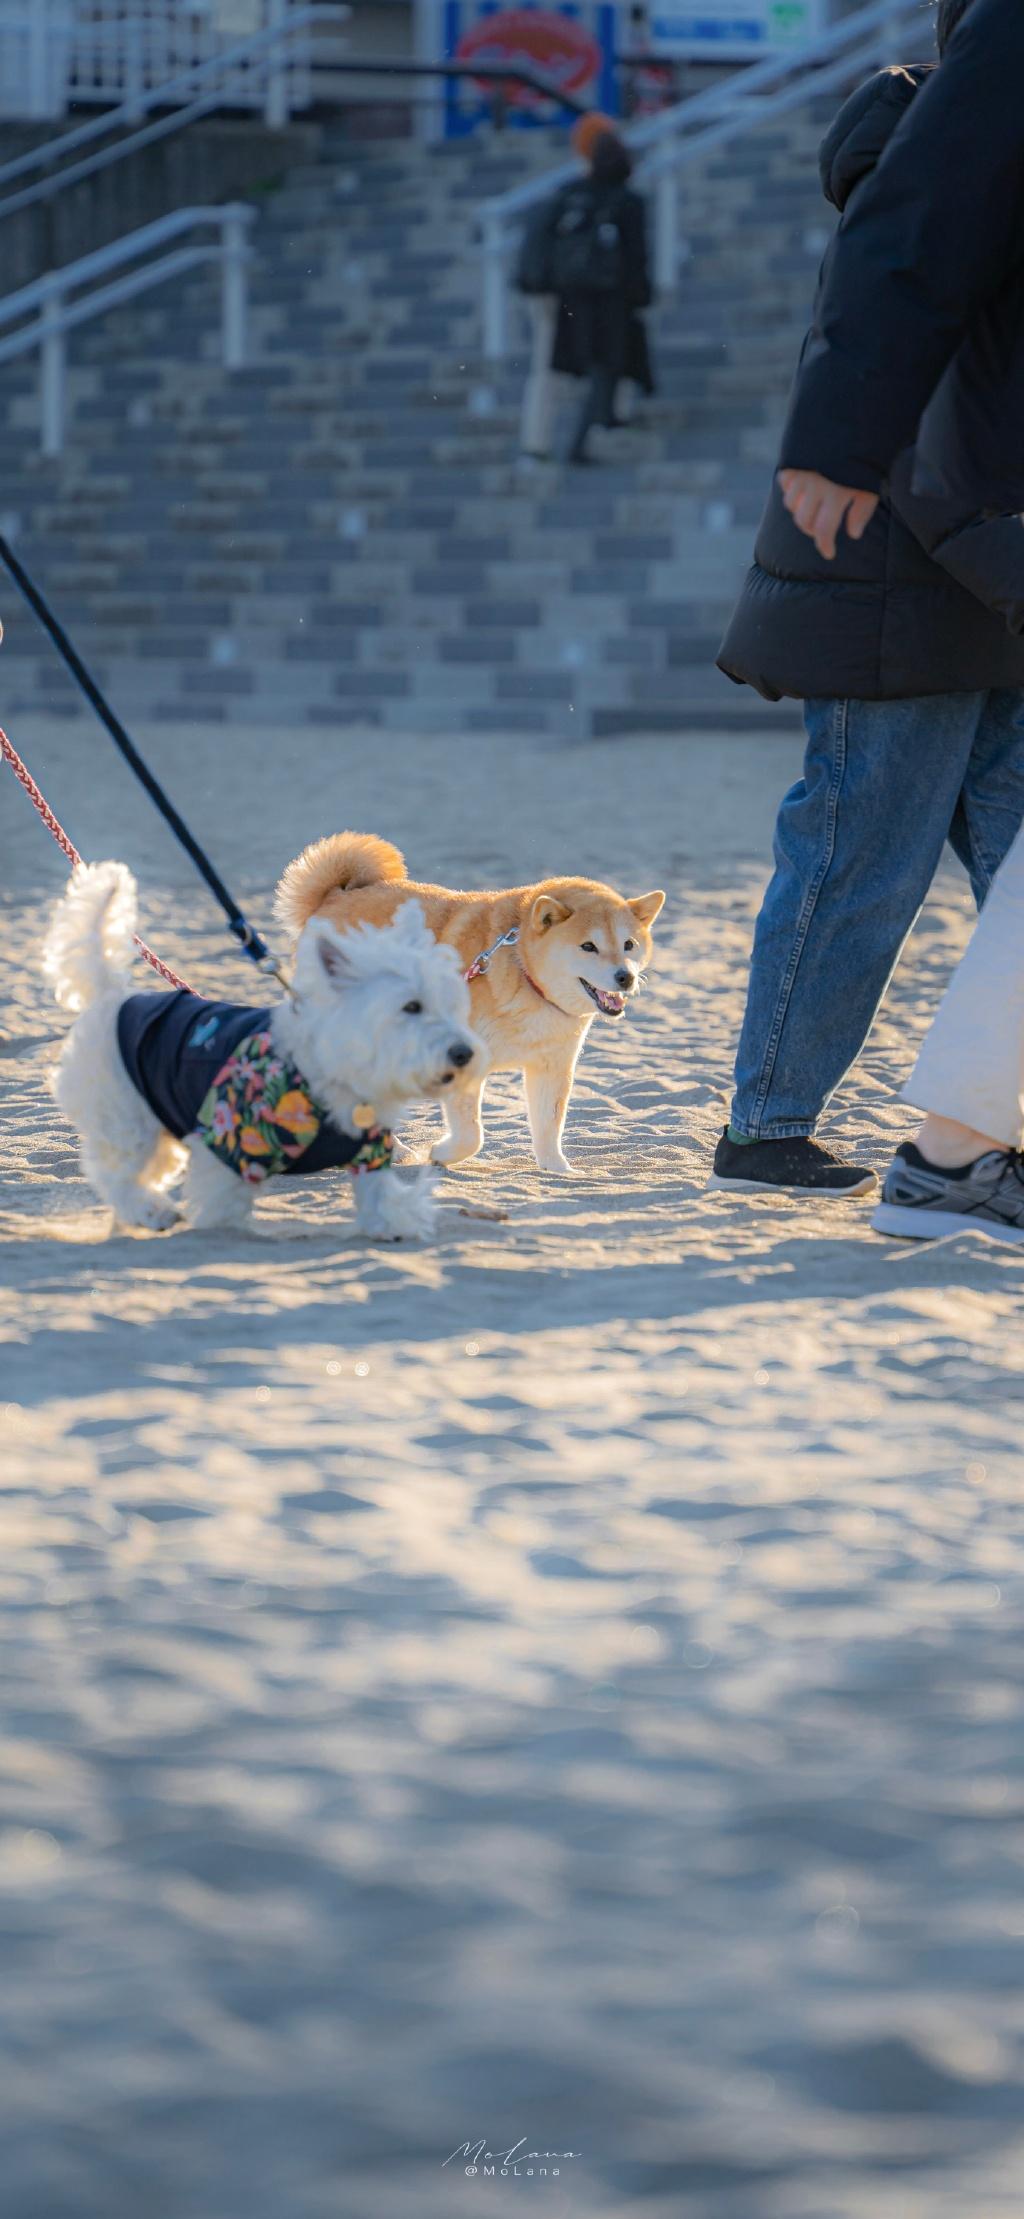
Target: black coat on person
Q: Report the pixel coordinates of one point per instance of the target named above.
(931, 281)
(603, 329)
(931, 600)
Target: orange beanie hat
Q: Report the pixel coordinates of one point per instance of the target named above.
(587, 130)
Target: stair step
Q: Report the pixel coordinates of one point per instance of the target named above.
(343, 533)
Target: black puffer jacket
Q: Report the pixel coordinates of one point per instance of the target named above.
(931, 275)
(932, 598)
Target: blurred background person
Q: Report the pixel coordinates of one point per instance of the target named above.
(584, 269)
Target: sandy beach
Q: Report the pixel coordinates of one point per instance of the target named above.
(562, 1684)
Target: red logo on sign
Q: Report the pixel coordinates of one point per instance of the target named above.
(556, 45)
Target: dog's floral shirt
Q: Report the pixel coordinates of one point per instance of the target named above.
(260, 1117)
(212, 1069)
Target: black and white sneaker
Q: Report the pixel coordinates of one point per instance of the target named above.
(787, 1167)
(921, 1201)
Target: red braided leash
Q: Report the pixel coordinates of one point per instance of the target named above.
(25, 778)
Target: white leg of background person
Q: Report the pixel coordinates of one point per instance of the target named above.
(537, 426)
(969, 1074)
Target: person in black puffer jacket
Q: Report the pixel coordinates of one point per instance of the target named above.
(908, 654)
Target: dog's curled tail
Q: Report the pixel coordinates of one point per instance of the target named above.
(88, 948)
(342, 863)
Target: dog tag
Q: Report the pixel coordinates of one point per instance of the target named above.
(364, 1113)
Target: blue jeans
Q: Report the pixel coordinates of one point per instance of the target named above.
(857, 843)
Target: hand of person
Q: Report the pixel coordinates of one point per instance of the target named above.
(819, 508)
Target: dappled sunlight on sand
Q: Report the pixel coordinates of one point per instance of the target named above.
(561, 1683)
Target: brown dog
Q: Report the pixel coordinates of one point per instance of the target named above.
(579, 950)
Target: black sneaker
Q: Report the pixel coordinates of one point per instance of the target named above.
(787, 1167)
(921, 1201)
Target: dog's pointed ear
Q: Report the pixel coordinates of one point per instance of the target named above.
(409, 924)
(547, 911)
(332, 956)
(645, 907)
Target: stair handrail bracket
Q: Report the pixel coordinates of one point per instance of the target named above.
(664, 143)
(54, 305)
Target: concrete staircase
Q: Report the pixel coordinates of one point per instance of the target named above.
(342, 533)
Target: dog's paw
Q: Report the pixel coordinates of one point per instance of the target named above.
(558, 1165)
(391, 1207)
(422, 1230)
(451, 1151)
(151, 1214)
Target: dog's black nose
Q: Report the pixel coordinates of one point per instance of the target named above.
(460, 1055)
(624, 978)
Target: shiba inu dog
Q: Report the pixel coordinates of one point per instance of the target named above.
(561, 953)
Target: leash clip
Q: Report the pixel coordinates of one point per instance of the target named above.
(482, 963)
(272, 963)
(258, 952)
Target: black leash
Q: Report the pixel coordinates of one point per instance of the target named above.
(253, 943)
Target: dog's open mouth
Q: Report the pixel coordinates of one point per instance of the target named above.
(610, 1005)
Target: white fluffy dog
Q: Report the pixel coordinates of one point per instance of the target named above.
(378, 1019)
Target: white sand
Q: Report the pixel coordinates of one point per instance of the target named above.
(564, 1684)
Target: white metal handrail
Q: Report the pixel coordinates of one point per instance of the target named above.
(46, 310)
(665, 142)
(189, 93)
(122, 48)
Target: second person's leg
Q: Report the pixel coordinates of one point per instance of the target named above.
(991, 806)
(963, 1170)
(970, 1068)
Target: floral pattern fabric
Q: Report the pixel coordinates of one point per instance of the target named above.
(259, 1116)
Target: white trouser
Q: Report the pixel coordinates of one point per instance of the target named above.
(538, 420)
(971, 1065)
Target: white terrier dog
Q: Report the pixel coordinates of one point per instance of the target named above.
(158, 1083)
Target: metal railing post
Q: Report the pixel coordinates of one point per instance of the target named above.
(666, 222)
(890, 40)
(495, 290)
(53, 362)
(134, 71)
(275, 106)
(428, 43)
(234, 286)
(39, 31)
